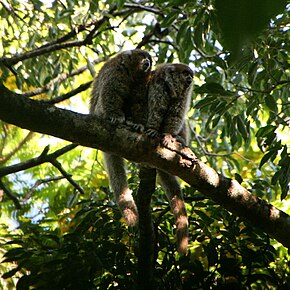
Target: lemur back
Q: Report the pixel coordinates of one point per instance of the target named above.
(169, 96)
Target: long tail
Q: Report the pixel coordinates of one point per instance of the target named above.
(173, 190)
(118, 180)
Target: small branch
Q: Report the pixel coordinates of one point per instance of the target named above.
(68, 95)
(273, 87)
(56, 164)
(54, 46)
(63, 43)
(205, 152)
(38, 183)
(10, 195)
(42, 158)
(144, 8)
(62, 77)
(17, 148)
(155, 31)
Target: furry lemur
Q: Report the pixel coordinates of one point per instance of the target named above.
(120, 94)
(169, 96)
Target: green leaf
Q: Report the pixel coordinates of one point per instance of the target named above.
(170, 18)
(182, 31)
(239, 178)
(271, 154)
(213, 88)
(242, 127)
(241, 20)
(264, 131)
(198, 35)
(252, 72)
(205, 102)
(11, 273)
(211, 253)
(215, 121)
(271, 103)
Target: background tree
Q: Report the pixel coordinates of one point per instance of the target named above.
(58, 216)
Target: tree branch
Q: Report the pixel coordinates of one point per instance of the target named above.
(63, 77)
(146, 233)
(42, 158)
(88, 130)
(68, 95)
(17, 148)
(10, 195)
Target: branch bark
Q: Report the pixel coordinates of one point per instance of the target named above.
(146, 232)
(92, 132)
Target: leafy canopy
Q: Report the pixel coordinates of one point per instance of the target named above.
(68, 226)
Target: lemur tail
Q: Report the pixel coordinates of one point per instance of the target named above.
(118, 181)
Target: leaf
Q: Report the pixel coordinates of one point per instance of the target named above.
(205, 102)
(220, 62)
(252, 72)
(205, 218)
(268, 156)
(182, 31)
(264, 131)
(198, 35)
(239, 178)
(186, 45)
(240, 21)
(271, 103)
(170, 18)
(215, 121)
(211, 253)
(242, 127)
(211, 88)
(234, 138)
(11, 273)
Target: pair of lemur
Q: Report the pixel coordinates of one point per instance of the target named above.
(154, 102)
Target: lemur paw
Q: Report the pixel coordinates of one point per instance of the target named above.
(117, 119)
(167, 139)
(152, 133)
(136, 127)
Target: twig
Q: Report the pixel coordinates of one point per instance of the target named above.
(68, 95)
(217, 154)
(10, 195)
(38, 183)
(63, 42)
(62, 77)
(144, 8)
(42, 158)
(56, 164)
(54, 46)
(3, 159)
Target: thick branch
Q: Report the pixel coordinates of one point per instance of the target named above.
(92, 132)
(147, 239)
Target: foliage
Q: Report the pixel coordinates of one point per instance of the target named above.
(69, 233)
(98, 253)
